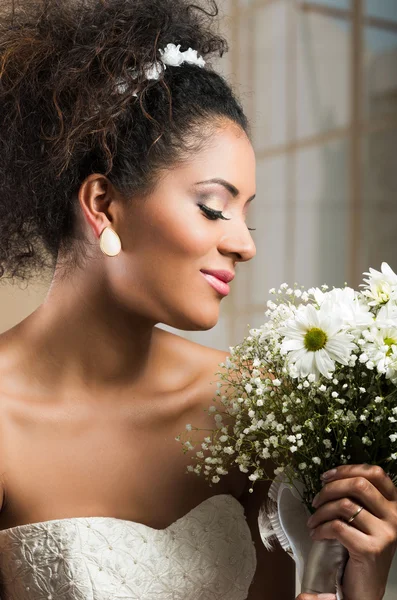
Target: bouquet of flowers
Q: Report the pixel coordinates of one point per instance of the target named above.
(314, 387)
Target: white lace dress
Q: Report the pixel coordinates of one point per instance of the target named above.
(208, 554)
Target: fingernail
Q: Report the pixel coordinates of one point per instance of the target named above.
(326, 596)
(328, 474)
(315, 500)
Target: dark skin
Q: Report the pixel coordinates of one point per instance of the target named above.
(89, 375)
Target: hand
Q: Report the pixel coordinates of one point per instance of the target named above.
(371, 538)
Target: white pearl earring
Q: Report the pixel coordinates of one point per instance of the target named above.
(110, 242)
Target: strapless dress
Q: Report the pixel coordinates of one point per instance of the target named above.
(208, 554)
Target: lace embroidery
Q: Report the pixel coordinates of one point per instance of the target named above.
(207, 554)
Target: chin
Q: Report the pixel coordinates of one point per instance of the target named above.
(199, 321)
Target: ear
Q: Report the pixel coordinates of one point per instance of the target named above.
(97, 198)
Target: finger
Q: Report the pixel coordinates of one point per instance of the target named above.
(343, 509)
(358, 489)
(351, 538)
(375, 474)
(357, 543)
(316, 597)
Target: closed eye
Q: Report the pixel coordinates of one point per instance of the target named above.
(213, 215)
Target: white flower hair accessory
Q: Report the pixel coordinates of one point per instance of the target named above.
(171, 56)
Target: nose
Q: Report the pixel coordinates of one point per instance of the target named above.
(237, 242)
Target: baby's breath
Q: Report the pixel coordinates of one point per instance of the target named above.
(273, 414)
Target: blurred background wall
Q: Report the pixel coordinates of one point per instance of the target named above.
(318, 80)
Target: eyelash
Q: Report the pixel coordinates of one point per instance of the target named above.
(216, 214)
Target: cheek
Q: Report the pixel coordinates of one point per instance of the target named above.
(179, 236)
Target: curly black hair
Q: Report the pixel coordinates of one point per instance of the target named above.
(64, 114)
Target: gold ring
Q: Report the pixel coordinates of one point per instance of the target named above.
(355, 514)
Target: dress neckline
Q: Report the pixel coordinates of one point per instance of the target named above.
(102, 519)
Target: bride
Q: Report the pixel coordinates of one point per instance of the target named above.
(127, 169)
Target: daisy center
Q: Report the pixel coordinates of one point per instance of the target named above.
(389, 342)
(315, 339)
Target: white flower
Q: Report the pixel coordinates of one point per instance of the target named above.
(381, 349)
(315, 340)
(349, 307)
(172, 55)
(387, 314)
(190, 56)
(316, 460)
(381, 286)
(391, 369)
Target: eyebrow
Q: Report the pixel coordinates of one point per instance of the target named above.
(229, 186)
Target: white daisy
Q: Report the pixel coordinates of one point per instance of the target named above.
(391, 369)
(314, 340)
(381, 349)
(381, 286)
(347, 304)
(387, 315)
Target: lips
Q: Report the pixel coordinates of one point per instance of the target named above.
(225, 276)
(219, 280)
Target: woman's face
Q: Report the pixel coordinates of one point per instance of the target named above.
(168, 240)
